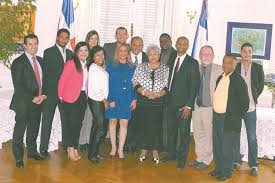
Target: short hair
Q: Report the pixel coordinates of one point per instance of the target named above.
(165, 35)
(30, 36)
(121, 28)
(207, 46)
(246, 45)
(183, 37)
(136, 37)
(230, 55)
(90, 34)
(153, 47)
(63, 30)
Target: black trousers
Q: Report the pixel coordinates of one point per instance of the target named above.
(131, 139)
(177, 123)
(99, 127)
(29, 120)
(49, 107)
(74, 116)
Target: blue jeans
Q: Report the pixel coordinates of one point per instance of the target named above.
(223, 146)
(250, 119)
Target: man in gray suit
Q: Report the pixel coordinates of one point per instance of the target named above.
(110, 48)
(203, 111)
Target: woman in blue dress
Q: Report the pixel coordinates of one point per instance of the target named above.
(122, 98)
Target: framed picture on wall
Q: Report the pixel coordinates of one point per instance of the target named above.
(259, 35)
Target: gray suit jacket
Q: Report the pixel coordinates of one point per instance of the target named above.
(110, 49)
(216, 71)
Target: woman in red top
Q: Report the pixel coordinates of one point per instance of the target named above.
(72, 89)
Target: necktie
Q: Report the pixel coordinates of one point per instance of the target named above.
(200, 94)
(37, 75)
(175, 71)
(136, 60)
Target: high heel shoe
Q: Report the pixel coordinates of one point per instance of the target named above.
(120, 154)
(113, 153)
(142, 158)
(77, 156)
(71, 155)
(156, 160)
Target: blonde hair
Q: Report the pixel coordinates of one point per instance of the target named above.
(128, 60)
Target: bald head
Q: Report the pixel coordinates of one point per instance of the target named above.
(229, 63)
(182, 45)
(136, 45)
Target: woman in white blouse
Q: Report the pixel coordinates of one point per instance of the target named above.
(98, 88)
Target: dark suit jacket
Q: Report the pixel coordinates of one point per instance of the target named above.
(257, 79)
(110, 49)
(237, 102)
(24, 82)
(54, 64)
(184, 88)
(172, 57)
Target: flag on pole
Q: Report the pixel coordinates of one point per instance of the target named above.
(66, 20)
(201, 37)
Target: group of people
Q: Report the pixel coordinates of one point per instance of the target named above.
(153, 96)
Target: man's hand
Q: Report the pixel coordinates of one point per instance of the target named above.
(106, 104)
(38, 100)
(185, 112)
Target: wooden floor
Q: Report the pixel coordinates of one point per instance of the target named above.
(130, 170)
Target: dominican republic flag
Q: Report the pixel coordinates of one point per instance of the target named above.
(66, 20)
(201, 37)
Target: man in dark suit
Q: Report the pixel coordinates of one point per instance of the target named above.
(54, 59)
(121, 36)
(184, 81)
(167, 56)
(137, 57)
(253, 75)
(230, 103)
(26, 71)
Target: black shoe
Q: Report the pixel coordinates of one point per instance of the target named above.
(19, 164)
(254, 172)
(223, 177)
(45, 154)
(100, 157)
(180, 165)
(94, 160)
(37, 157)
(236, 166)
(214, 173)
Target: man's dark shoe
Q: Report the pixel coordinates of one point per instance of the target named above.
(223, 177)
(193, 163)
(254, 172)
(45, 154)
(19, 164)
(37, 157)
(180, 165)
(100, 157)
(94, 160)
(214, 173)
(236, 166)
(83, 147)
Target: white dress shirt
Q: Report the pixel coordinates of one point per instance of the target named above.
(38, 64)
(85, 75)
(139, 57)
(62, 51)
(175, 63)
(98, 83)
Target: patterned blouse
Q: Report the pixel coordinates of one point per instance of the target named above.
(150, 79)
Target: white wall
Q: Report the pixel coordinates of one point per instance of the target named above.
(175, 22)
(221, 12)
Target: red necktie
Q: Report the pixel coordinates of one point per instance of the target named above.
(175, 71)
(37, 75)
(177, 67)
